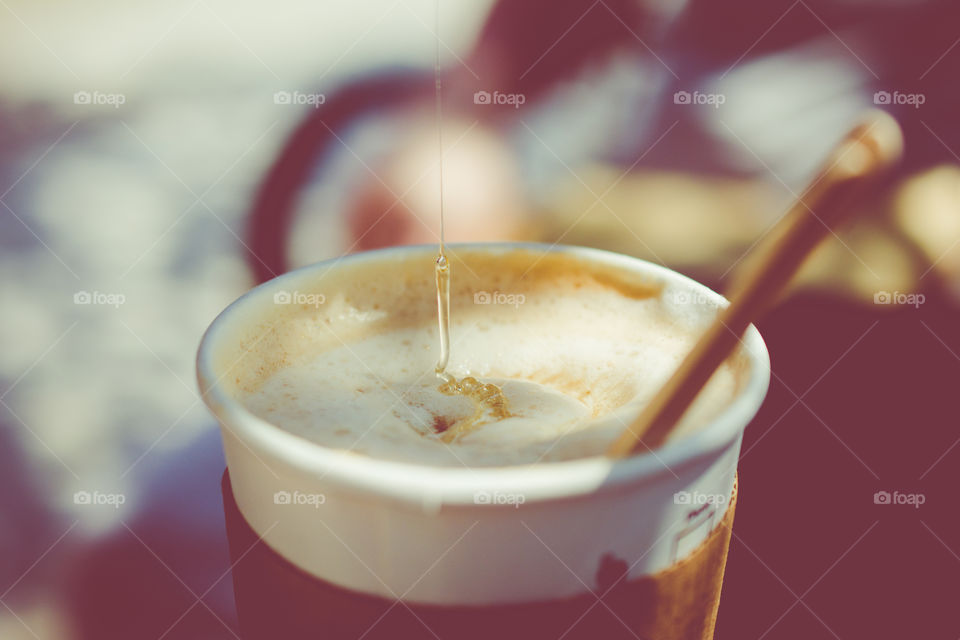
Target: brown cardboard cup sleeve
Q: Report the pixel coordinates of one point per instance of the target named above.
(679, 603)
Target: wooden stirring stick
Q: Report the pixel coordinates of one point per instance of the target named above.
(868, 149)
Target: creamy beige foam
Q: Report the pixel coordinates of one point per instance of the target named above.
(577, 349)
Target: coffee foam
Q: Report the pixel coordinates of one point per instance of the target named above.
(578, 348)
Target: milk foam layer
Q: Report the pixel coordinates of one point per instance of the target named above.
(577, 349)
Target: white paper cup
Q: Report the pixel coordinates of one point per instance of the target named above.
(483, 536)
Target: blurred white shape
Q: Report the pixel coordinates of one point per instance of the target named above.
(601, 111)
(784, 112)
(118, 389)
(146, 49)
(116, 201)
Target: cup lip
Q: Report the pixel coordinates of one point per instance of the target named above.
(426, 485)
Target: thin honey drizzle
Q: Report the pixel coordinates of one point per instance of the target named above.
(489, 402)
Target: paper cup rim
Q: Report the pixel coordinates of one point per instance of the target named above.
(426, 485)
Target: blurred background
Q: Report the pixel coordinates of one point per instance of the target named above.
(158, 159)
